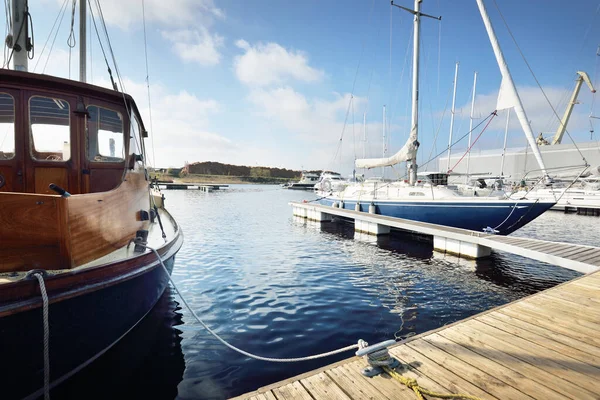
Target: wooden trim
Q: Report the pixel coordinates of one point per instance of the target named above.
(25, 295)
(103, 222)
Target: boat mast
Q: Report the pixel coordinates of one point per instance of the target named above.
(82, 41)
(19, 40)
(452, 112)
(471, 122)
(505, 136)
(414, 124)
(384, 147)
(508, 89)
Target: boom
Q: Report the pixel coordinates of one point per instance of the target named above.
(562, 127)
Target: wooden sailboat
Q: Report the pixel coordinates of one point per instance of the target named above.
(74, 194)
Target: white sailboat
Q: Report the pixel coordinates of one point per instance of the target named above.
(431, 200)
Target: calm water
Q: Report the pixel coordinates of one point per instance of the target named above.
(282, 287)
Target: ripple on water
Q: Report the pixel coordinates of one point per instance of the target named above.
(282, 288)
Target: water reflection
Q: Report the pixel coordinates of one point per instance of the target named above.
(147, 363)
(285, 287)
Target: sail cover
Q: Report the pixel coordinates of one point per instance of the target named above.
(407, 152)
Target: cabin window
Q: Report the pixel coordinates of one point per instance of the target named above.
(7, 126)
(50, 128)
(416, 194)
(135, 137)
(105, 135)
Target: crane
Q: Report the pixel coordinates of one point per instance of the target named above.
(562, 127)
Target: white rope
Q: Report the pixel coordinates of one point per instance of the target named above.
(232, 347)
(40, 279)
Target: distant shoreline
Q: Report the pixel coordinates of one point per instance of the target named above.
(222, 179)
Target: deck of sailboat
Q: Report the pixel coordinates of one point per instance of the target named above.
(545, 346)
(155, 240)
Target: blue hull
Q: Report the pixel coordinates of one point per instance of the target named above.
(81, 328)
(505, 216)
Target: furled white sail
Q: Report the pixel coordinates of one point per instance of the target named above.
(406, 153)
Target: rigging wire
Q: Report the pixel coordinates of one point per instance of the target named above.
(473, 144)
(362, 51)
(54, 40)
(102, 47)
(353, 132)
(71, 39)
(537, 81)
(136, 137)
(587, 31)
(399, 87)
(91, 48)
(148, 85)
(439, 52)
(58, 16)
(433, 147)
(8, 28)
(390, 73)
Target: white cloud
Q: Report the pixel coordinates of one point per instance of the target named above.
(270, 63)
(180, 125)
(319, 124)
(174, 13)
(538, 111)
(199, 46)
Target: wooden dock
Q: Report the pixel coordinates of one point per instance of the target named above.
(207, 187)
(545, 346)
(463, 242)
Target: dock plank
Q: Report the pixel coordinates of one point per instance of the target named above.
(545, 346)
(554, 362)
(452, 382)
(555, 311)
(547, 334)
(470, 339)
(321, 386)
(505, 374)
(540, 320)
(356, 387)
(485, 381)
(383, 383)
(544, 342)
(292, 391)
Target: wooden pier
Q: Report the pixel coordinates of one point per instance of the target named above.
(206, 187)
(462, 242)
(545, 346)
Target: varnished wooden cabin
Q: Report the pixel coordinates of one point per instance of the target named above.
(74, 192)
(87, 142)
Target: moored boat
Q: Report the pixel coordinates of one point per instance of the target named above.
(432, 200)
(307, 182)
(77, 219)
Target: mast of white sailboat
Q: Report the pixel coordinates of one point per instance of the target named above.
(471, 122)
(504, 147)
(414, 121)
(452, 112)
(507, 88)
(408, 152)
(82, 41)
(384, 146)
(18, 39)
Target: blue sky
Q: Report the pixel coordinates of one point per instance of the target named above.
(269, 82)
